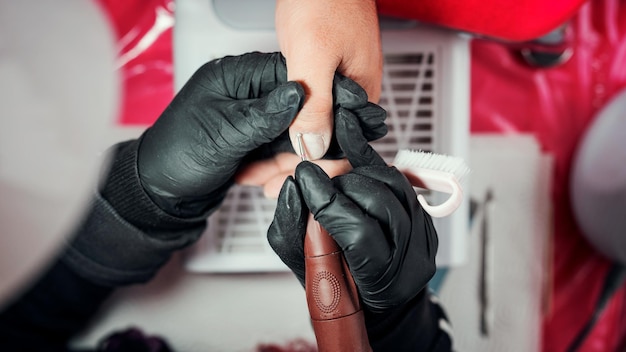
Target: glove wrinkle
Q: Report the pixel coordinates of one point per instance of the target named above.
(347, 93)
(372, 121)
(390, 176)
(288, 228)
(353, 143)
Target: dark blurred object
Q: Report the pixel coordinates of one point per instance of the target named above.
(548, 51)
(298, 345)
(133, 340)
(613, 281)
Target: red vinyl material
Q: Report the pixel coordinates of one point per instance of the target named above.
(501, 19)
(557, 105)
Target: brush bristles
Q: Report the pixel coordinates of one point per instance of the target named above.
(432, 161)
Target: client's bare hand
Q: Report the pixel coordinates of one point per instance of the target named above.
(271, 173)
(317, 39)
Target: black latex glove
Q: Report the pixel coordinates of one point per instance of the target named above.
(372, 212)
(229, 108)
(388, 240)
(160, 189)
(347, 95)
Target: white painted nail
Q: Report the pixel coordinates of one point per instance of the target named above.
(315, 145)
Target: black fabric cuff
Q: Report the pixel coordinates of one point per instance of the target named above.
(125, 238)
(110, 251)
(51, 312)
(123, 190)
(416, 326)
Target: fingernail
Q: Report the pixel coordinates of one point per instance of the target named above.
(314, 145)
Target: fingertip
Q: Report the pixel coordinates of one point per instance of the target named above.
(372, 117)
(290, 95)
(372, 110)
(285, 233)
(347, 93)
(308, 169)
(348, 129)
(289, 206)
(288, 190)
(315, 185)
(274, 113)
(352, 141)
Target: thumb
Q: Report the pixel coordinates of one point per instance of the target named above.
(353, 143)
(315, 120)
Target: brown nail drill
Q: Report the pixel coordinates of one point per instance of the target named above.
(331, 293)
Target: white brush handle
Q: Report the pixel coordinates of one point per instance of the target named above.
(436, 181)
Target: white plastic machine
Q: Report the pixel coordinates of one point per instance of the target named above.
(425, 92)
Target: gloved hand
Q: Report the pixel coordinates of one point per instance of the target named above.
(228, 109)
(160, 189)
(372, 212)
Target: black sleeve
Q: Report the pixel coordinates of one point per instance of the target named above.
(125, 237)
(420, 325)
(50, 312)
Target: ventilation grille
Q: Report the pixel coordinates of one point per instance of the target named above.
(242, 221)
(408, 95)
(236, 237)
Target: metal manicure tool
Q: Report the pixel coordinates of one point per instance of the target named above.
(303, 155)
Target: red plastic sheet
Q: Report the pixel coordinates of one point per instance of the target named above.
(144, 33)
(557, 106)
(502, 19)
(508, 96)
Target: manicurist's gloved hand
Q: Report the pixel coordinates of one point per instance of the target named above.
(160, 188)
(348, 97)
(227, 109)
(388, 240)
(157, 191)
